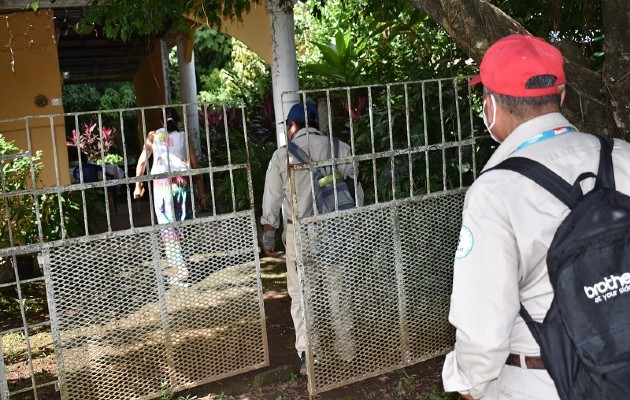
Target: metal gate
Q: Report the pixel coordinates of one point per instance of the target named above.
(376, 279)
(118, 327)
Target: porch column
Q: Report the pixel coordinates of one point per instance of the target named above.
(188, 86)
(284, 74)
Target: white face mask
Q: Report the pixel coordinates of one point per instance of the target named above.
(494, 117)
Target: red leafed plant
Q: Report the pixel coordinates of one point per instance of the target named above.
(90, 141)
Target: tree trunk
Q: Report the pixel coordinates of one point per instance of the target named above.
(597, 102)
(616, 70)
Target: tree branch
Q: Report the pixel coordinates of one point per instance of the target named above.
(475, 24)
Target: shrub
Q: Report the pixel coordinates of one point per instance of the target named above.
(19, 212)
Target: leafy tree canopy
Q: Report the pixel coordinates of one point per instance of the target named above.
(358, 42)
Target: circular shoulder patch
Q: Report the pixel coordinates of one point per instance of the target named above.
(466, 241)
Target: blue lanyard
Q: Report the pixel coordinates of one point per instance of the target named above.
(544, 136)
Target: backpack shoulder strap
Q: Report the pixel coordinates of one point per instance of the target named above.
(336, 146)
(298, 153)
(543, 176)
(304, 158)
(605, 173)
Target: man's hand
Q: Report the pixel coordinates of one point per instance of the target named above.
(203, 202)
(467, 396)
(269, 242)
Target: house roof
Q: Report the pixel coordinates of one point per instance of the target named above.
(89, 57)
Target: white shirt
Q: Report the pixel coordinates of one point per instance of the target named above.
(169, 152)
(508, 224)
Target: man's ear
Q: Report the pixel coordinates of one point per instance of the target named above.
(290, 131)
(563, 94)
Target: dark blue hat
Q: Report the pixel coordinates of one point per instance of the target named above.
(297, 114)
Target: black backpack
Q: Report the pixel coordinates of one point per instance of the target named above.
(585, 337)
(332, 191)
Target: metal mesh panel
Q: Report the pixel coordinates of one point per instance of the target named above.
(377, 278)
(376, 284)
(429, 231)
(121, 329)
(81, 209)
(350, 296)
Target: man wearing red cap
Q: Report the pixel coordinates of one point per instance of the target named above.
(509, 221)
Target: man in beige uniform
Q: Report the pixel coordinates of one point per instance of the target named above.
(276, 198)
(509, 222)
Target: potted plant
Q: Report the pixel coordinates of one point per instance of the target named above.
(93, 144)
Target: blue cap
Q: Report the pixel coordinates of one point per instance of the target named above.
(297, 113)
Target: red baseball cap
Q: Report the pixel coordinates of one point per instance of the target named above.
(511, 61)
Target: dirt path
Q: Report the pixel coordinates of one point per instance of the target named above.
(415, 382)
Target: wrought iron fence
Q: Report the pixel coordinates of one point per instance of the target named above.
(376, 279)
(100, 316)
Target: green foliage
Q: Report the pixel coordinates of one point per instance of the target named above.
(261, 147)
(83, 98)
(439, 121)
(441, 396)
(405, 380)
(98, 96)
(374, 42)
(167, 393)
(245, 79)
(577, 21)
(111, 159)
(228, 73)
(126, 18)
(382, 42)
(213, 50)
(340, 65)
(23, 209)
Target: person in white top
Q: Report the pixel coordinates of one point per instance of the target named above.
(509, 221)
(172, 151)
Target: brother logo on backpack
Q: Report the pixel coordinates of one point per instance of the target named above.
(608, 287)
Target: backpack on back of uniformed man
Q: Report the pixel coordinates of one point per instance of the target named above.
(326, 187)
(585, 336)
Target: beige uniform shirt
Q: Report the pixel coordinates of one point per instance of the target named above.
(276, 194)
(508, 224)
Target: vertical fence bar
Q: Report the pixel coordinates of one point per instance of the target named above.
(62, 221)
(4, 384)
(190, 166)
(104, 175)
(459, 132)
(126, 170)
(408, 128)
(209, 151)
(229, 157)
(40, 230)
(426, 138)
(392, 164)
(374, 175)
(80, 170)
(355, 165)
(147, 170)
(441, 102)
(472, 133)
